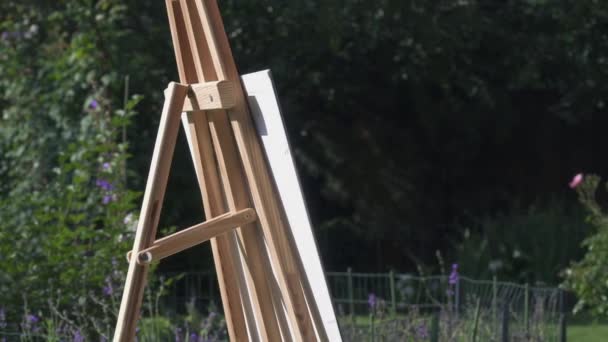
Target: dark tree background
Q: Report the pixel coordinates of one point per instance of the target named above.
(417, 125)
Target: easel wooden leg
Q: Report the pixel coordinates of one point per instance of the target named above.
(290, 276)
(150, 211)
(232, 284)
(235, 189)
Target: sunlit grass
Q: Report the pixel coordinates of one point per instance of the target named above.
(588, 333)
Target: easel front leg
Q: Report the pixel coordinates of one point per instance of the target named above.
(150, 211)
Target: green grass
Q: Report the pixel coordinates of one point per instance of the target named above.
(587, 332)
(578, 331)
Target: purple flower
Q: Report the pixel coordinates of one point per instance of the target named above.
(32, 319)
(78, 337)
(108, 198)
(178, 334)
(106, 166)
(454, 275)
(108, 290)
(422, 332)
(371, 300)
(193, 337)
(30, 323)
(93, 104)
(6, 35)
(104, 184)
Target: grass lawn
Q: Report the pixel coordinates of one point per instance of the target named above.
(578, 331)
(587, 333)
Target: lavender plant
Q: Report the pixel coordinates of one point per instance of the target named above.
(93, 318)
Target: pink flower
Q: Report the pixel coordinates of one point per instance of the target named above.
(578, 179)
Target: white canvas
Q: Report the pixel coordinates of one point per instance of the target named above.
(269, 123)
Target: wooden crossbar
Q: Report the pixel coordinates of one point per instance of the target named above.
(195, 235)
(192, 236)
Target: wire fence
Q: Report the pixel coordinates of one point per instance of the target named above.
(407, 306)
(392, 306)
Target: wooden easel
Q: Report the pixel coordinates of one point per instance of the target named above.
(265, 293)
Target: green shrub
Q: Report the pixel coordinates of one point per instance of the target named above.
(588, 278)
(60, 239)
(62, 158)
(531, 245)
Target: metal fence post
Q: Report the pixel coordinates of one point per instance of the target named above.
(372, 327)
(562, 328)
(351, 299)
(563, 333)
(476, 320)
(526, 308)
(393, 297)
(505, 323)
(494, 302)
(457, 297)
(435, 327)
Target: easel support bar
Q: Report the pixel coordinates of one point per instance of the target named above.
(209, 96)
(194, 235)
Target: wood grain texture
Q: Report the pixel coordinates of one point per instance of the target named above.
(226, 258)
(192, 236)
(226, 253)
(181, 44)
(258, 271)
(265, 199)
(150, 212)
(235, 189)
(210, 96)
